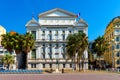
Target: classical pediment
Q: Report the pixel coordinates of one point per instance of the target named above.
(60, 13)
(32, 22)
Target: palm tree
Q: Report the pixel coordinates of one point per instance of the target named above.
(76, 45)
(27, 45)
(99, 46)
(7, 60)
(82, 47)
(90, 58)
(21, 44)
(71, 47)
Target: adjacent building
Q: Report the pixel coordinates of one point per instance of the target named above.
(112, 35)
(2, 31)
(2, 50)
(50, 33)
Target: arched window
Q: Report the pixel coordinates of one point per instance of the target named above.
(118, 54)
(118, 61)
(117, 38)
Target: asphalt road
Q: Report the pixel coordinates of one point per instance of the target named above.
(66, 76)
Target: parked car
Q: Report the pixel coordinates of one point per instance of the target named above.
(2, 67)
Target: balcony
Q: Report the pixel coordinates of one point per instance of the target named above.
(49, 41)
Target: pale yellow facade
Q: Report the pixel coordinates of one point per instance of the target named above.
(112, 35)
(2, 31)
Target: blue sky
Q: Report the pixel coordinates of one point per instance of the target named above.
(14, 14)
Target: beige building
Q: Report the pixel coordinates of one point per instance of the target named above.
(2, 31)
(112, 35)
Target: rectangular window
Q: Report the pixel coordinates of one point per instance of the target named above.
(117, 46)
(63, 65)
(69, 32)
(43, 55)
(43, 48)
(50, 65)
(63, 55)
(34, 34)
(43, 33)
(50, 55)
(117, 31)
(80, 31)
(56, 55)
(50, 37)
(63, 50)
(33, 65)
(50, 32)
(56, 33)
(57, 46)
(1, 51)
(63, 32)
(43, 65)
(33, 54)
(70, 65)
(63, 37)
(117, 38)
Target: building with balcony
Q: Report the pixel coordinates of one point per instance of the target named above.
(50, 33)
(112, 35)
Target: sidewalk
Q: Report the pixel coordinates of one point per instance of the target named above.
(86, 71)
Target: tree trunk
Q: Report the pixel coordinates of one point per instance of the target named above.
(8, 66)
(99, 63)
(22, 60)
(79, 66)
(83, 60)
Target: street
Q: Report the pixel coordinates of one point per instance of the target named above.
(65, 76)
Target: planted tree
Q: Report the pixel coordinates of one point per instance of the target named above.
(99, 46)
(21, 44)
(8, 60)
(71, 47)
(76, 45)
